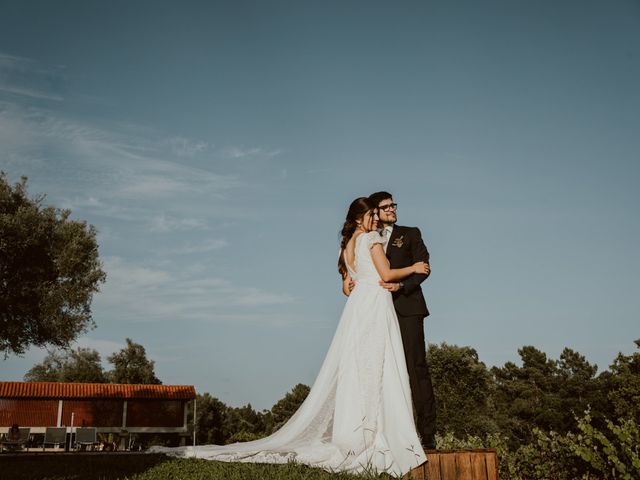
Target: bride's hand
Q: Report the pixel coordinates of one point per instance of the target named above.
(421, 267)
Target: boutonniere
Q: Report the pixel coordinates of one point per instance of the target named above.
(398, 242)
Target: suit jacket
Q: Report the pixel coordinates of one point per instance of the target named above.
(405, 248)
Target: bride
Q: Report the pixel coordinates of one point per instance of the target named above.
(358, 416)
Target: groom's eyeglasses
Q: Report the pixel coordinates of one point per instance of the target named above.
(386, 208)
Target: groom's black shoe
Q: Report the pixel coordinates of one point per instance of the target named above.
(429, 443)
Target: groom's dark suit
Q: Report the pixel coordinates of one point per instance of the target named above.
(404, 248)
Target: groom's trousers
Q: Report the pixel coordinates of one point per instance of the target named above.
(424, 402)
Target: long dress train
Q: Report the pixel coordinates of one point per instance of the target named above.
(358, 415)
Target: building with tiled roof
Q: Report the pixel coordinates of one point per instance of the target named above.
(95, 390)
(112, 408)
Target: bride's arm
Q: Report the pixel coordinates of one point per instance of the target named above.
(389, 274)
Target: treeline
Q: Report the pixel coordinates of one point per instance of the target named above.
(220, 424)
(84, 365)
(541, 393)
(548, 418)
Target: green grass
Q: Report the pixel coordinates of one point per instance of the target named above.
(197, 469)
(114, 466)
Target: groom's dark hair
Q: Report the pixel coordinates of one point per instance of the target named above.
(377, 197)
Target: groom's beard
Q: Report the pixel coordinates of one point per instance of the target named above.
(386, 223)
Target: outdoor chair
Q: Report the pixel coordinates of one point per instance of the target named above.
(54, 436)
(13, 444)
(86, 436)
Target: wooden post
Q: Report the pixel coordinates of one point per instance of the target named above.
(124, 414)
(195, 424)
(59, 423)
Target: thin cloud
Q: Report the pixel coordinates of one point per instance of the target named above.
(186, 147)
(26, 77)
(205, 247)
(141, 293)
(151, 185)
(126, 275)
(256, 152)
(127, 172)
(25, 65)
(29, 92)
(95, 206)
(277, 320)
(170, 223)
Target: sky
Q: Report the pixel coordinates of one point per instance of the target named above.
(216, 145)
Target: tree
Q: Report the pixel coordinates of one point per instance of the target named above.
(578, 389)
(210, 419)
(526, 397)
(83, 366)
(50, 370)
(49, 271)
(131, 365)
(243, 423)
(220, 424)
(284, 408)
(622, 383)
(544, 393)
(78, 366)
(463, 389)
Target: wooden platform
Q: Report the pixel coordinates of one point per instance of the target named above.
(477, 464)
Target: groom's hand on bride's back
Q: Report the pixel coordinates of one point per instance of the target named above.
(347, 285)
(391, 286)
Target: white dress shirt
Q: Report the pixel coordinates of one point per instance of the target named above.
(387, 233)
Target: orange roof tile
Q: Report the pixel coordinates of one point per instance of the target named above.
(95, 390)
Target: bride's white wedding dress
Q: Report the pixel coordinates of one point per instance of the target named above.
(358, 415)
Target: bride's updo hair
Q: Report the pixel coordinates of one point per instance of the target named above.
(357, 210)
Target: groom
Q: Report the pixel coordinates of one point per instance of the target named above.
(404, 248)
